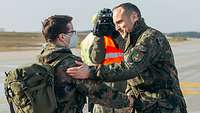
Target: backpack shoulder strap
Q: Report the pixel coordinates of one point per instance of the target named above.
(64, 54)
(6, 89)
(60, 59)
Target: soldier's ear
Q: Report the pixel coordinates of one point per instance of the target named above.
(134, 17)
(61, 37)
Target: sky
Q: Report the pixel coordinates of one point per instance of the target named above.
(165, 15)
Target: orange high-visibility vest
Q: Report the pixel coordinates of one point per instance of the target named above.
(112, 53)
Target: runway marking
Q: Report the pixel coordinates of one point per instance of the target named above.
(193, 85)
(190, 84)
(190, 92)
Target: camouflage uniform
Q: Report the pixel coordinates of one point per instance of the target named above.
(97, 55)
(150, 70)
(70, 93)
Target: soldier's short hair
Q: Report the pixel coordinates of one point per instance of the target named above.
(129, 8)
(55, 25)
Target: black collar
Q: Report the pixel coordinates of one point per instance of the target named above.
(138, 29)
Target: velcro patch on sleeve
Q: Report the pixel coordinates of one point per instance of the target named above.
(137, 53)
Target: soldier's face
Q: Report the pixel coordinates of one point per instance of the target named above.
(67, 37)
(123, 23)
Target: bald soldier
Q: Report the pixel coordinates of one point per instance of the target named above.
(148, 65)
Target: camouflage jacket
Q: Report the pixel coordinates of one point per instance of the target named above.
(150, 70)
(70, 92)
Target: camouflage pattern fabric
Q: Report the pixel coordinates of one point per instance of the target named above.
(71, 93)
(150, 70)
(30, 89)
(103, 109)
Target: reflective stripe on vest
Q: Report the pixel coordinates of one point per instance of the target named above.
(113, 54)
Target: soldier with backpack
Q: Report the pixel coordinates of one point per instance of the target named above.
(44, 87)
(60, 36)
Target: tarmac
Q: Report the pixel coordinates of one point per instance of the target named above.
(186, 58)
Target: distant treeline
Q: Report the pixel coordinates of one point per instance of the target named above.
(184, 34)
(174, 34)
(82, 34)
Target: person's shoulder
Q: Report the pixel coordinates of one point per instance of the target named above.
(67, 59)
(151, 35)
(152, 32)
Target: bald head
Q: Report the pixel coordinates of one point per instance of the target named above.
(125, 17)
(129, 8)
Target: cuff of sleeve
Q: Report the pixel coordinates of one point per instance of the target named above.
(93, 73)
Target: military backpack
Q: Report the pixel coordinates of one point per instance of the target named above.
(30, 89)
